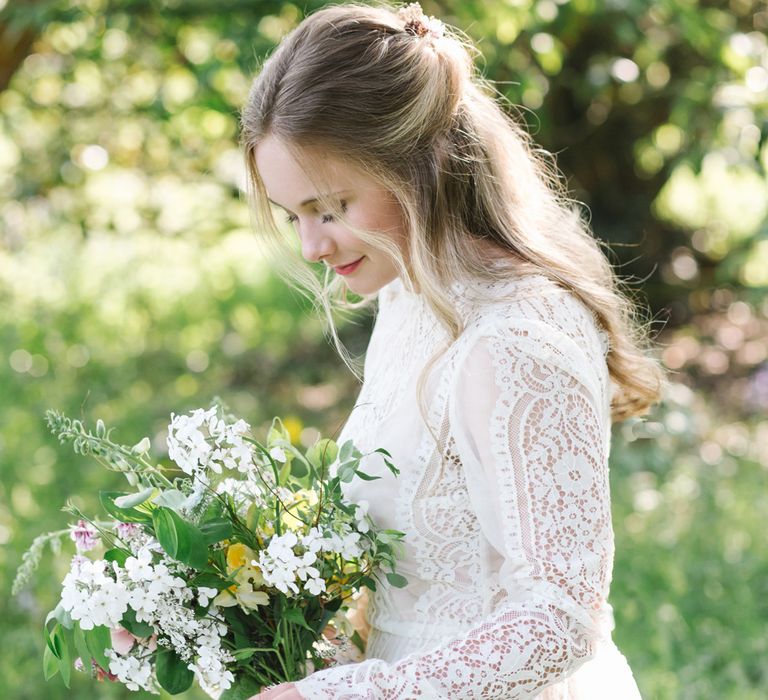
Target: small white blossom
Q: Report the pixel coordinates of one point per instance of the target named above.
(315, 586)
(205, 595)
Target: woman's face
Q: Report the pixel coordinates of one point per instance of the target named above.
(324, 239)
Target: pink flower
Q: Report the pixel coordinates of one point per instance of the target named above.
(122, 640)
(127, 530)
(84, 536)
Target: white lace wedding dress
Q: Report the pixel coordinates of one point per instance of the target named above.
(509, 544)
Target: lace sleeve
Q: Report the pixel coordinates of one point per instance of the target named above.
(529, 423)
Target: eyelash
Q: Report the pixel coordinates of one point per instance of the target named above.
(325, 219)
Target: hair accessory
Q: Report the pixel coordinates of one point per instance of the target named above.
(418, 24)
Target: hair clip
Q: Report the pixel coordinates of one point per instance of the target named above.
(418, 24)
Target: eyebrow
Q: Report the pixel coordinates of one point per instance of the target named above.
(306, 202)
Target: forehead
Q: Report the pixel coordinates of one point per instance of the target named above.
(292, 176)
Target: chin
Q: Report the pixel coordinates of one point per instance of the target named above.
(363, 288)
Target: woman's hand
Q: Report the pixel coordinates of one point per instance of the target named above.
(284, 691)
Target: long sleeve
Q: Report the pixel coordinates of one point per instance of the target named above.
(527, 418)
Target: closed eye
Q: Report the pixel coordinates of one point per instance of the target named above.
(327, 218)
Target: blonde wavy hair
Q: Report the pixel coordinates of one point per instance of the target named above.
(414, 114)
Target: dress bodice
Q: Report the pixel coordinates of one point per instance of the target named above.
(503, 497)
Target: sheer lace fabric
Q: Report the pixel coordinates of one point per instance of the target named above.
(509, 545)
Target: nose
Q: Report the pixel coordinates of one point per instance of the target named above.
(316, 243)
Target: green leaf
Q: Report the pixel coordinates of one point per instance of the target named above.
(299, 470)
(172, 673)
(368, 582)
(51, 641)
(62, 616)
(138, 629)
(397, 580)
(82, 648)
(296, 616)
(216, 530)
(278, 433)
(50, 664)
(322, 453)
(117, 554)
(244, 654)
(125, 515)
(367, 477)
(243, 688)
(61, 637)
(385, 537)
(208, 580)
(357, 640)
(347, 471)
(134, 499)
(392, 467)
(345, 451)
(285, 472)
(166, 531)
(99, 640)
(180, 539)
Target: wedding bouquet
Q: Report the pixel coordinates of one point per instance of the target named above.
(235, 566)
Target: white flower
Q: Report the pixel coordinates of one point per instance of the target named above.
(305, 568)
(135, 672)
(139, 568)
(92, 597)
(278, 454)
(313, 540)
(205, 595)
(315, 586)
(281, 547)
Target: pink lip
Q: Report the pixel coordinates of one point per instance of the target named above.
(348, 269)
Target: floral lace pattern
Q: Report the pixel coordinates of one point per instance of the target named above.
(509, 545)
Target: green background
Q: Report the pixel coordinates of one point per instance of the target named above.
(132, 283)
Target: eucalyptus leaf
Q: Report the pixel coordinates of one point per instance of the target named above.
(397, 580)
(345, 451)
(366, 477)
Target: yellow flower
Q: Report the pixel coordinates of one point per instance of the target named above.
(248, 579)
(239, 555)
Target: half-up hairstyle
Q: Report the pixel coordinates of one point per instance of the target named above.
(412, 113)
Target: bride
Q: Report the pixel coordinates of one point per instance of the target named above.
(502, 351)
